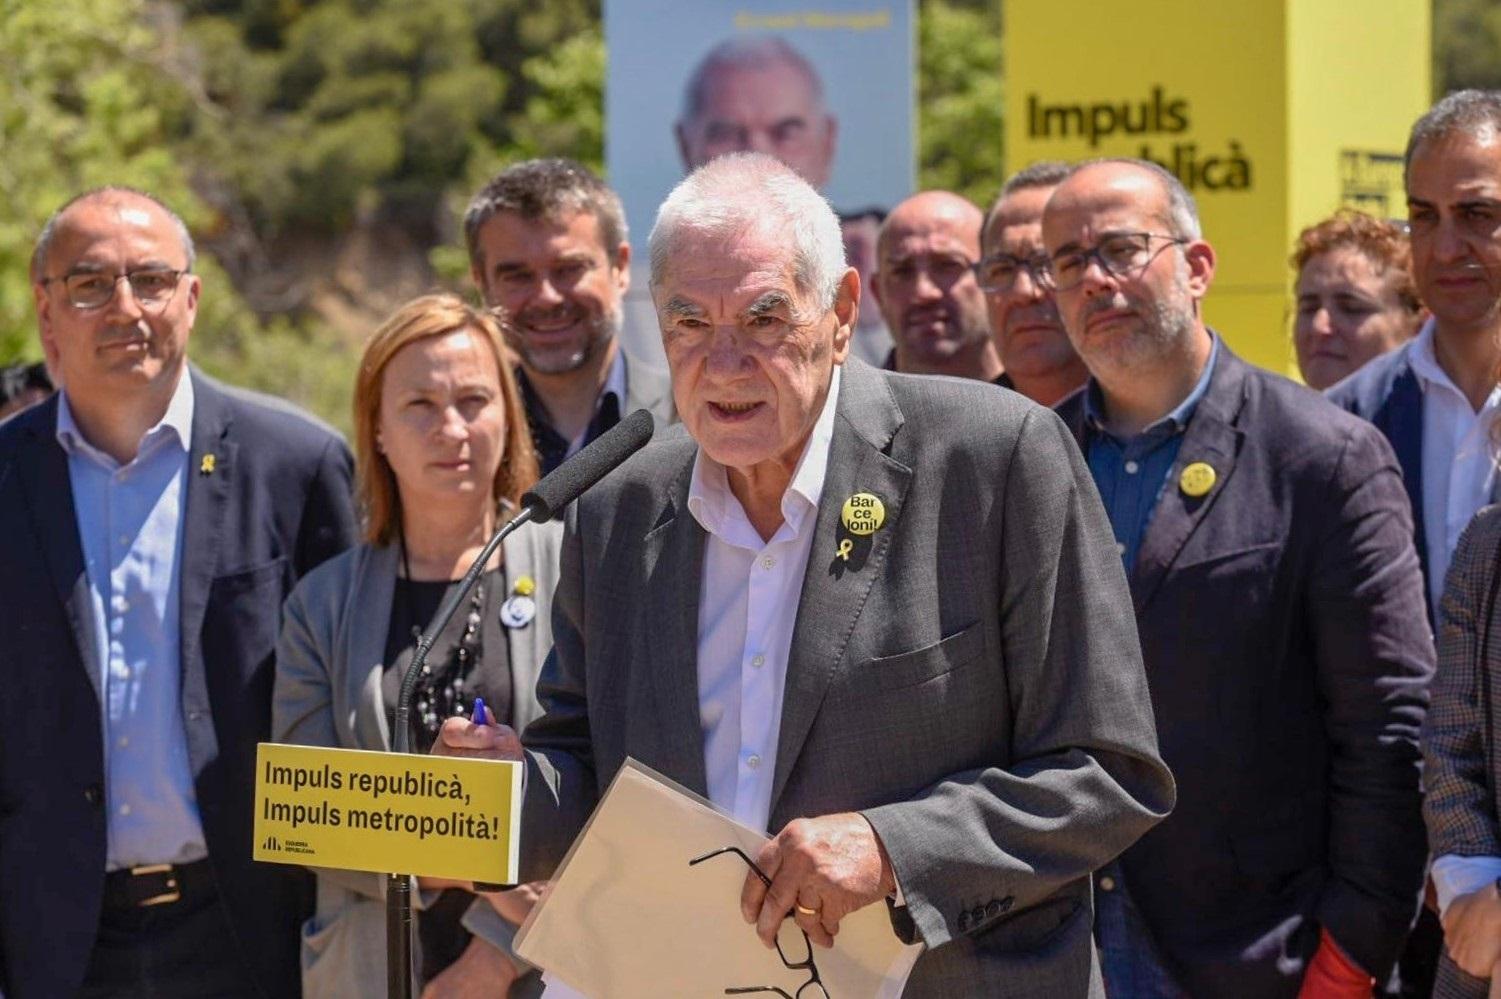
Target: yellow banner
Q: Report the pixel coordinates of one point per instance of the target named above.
(438, 816)
(1273, 114)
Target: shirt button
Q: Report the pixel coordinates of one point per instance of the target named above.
(1132, 468)
(1107, 883)
(124, 809)
(1120, 548)
(122, 605)
(768, 562)
(124, 741)
(124, 540)
(123, 672)
(754, 762)
(758, 660)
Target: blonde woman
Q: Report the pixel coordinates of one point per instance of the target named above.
(442, 453)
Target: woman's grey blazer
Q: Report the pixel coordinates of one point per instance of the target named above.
(328, 693)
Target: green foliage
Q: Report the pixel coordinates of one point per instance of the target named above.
(276, 127)
(960, 97)
(1466, 45)
(81, 104)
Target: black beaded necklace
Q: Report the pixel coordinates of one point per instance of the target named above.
(439, 693)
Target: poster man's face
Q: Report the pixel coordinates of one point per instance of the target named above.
(770, 109)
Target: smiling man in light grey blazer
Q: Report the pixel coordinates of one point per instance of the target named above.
(880, 616)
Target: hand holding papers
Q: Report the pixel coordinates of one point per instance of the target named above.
(629, 915)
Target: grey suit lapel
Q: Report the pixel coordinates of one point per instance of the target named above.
(366, 621)
(211, 472)
(673, 551)
(835, 590)
(49, 499)
(1211, 438)
(648, 389)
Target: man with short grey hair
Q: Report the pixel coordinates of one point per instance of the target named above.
(1267, 540)
(548, 244)
(762, 95)
(1034, 348)
(937, 705)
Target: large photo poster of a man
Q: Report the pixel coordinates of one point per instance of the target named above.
(827, 89)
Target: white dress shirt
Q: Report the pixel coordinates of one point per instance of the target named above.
(1459, 459)
(1459, 476)
(748, 601)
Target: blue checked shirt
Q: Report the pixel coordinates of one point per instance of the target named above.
(1130, 473)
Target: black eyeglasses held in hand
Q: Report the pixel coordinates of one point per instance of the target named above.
(797, 960)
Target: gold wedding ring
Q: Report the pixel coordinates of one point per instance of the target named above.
(804, 909)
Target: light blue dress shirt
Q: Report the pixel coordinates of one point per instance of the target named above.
(130, 524)
(1130, 473)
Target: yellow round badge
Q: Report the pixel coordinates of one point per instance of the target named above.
(863, 514)
(1197, 479)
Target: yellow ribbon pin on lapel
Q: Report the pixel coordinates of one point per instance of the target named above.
(206, 466)
(1197, 479)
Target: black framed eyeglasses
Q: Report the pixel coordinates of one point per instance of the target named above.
(1120, 255)
(998, 272)
(794, 957)
(152, 287)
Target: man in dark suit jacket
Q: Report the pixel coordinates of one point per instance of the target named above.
(156, 520)
(1268, 544)
(941, 698)
(1437, 397)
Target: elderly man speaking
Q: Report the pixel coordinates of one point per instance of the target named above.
(882, 615)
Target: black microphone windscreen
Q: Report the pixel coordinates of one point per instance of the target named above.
(563, 484)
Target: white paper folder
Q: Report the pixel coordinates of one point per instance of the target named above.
(627, 917)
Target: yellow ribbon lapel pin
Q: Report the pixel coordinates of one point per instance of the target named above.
(206, 466)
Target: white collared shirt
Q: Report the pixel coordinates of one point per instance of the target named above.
(1459, 459)
(748, 602)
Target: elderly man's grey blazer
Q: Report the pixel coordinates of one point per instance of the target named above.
(328, 693)
(970, 678)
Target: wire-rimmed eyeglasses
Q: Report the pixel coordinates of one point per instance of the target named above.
(1120, 254)
(152, 287)
(797, 960)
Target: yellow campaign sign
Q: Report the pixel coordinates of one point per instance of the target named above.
(438, 816)
(1273, 114)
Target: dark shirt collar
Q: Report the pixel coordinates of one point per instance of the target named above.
(550, 445)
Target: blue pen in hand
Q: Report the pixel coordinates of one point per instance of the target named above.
(479, 717)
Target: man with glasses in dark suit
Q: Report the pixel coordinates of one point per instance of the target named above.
(1268, 544)
(157, 520)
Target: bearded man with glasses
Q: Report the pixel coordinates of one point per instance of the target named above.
(1267, 540)
(155, 522)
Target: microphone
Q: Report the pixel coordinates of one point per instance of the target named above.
(551, 496)
(566, 482)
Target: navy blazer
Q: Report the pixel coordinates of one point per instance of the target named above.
(1289, 684)
(1385, 391)
(276, 504)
